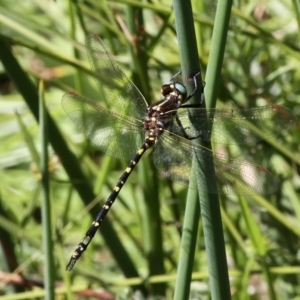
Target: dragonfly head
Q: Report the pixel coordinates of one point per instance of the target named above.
(175, 88)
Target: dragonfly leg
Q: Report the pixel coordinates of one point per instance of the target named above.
(194, 78)
(175, 76)
(182, 130)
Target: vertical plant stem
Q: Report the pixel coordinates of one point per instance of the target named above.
(216, 53)
(190, 66)
(46, 204)
(211, 215)
(187, 246)
(78, 81)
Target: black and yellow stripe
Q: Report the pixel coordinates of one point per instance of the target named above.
(82, 246)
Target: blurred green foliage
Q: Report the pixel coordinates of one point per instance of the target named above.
(261, 66)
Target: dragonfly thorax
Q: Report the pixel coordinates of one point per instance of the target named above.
(161, 114)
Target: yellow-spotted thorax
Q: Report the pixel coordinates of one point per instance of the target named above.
(161, 114)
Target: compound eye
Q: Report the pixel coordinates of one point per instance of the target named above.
(181, 89)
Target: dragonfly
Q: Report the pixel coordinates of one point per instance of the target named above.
(127, 127)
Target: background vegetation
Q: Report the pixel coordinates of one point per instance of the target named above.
(138, 248)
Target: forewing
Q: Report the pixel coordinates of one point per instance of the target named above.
(119, 91)
(115, 134)
(237, 126)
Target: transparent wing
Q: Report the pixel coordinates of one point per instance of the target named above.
(237, 126)
(115, 134)
(176, 157)
(118, 90)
